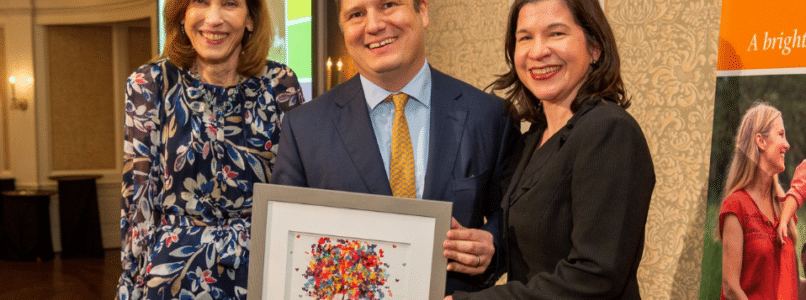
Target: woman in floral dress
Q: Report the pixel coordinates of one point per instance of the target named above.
(202, 126)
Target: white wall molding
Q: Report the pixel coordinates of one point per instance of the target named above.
(98, 13)
(15, 11)
(19, 63)
(60, 15)
(24, 23)
(58, 4)
(41, 72)
(12, 5)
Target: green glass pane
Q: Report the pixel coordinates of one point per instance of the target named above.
(277, 53)
(299, 9)
(299, 49)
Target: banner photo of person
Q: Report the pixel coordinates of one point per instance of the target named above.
(754, 235)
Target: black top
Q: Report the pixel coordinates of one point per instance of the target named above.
(576, 208)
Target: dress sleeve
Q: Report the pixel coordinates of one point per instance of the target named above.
(733, 206)
(140, 176)
(287, 91)
(612, 180)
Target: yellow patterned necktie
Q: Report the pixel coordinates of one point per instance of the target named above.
(401, 161)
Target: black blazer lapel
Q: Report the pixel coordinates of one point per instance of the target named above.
(523, 170)
(447, 125)
(513, 193)
(354, 127)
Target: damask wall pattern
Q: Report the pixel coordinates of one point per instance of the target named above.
(467, 41)
(669, 51)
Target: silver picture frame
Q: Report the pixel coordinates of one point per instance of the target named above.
(281, 263)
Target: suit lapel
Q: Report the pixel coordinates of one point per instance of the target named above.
(355, 130)
(447, 125)
(516, 190)
(513, 192)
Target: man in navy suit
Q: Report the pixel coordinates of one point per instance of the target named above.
(341, 140)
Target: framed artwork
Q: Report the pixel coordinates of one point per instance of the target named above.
(318, 244)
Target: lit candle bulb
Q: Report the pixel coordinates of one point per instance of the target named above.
(338, 72)
(329, 73)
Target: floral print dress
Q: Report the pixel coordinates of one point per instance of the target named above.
(192, 153)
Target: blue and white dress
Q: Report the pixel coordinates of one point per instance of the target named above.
(192, 153)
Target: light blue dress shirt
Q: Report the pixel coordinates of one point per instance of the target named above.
(418, 116)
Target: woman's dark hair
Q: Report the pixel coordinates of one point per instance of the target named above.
(603, 82)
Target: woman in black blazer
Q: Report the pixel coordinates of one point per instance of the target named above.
(579, 191)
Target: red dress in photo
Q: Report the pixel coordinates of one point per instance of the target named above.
(769, 270)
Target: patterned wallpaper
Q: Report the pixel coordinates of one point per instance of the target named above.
(467, 41)
(669, 51)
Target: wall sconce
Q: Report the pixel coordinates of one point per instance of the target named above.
(17, 103)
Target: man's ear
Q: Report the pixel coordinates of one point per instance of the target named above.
(424, 13)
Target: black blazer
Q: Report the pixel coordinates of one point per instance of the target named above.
(576, 209)
(329, 143)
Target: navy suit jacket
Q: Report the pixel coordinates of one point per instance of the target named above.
(329, 143)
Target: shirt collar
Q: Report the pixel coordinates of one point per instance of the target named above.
(416, 89)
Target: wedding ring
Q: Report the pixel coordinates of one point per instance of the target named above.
(478, 261)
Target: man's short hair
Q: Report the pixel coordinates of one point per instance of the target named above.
(414, 2)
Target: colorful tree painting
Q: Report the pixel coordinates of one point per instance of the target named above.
(350, 269)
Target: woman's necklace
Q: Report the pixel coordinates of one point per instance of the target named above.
(218, 108)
